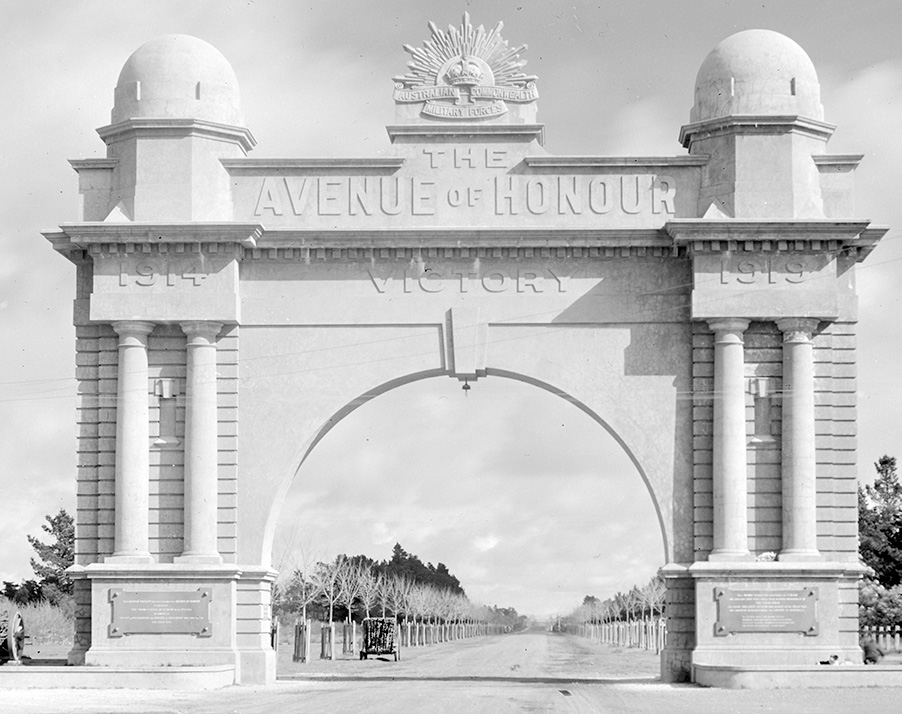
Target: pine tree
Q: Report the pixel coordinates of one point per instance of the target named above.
(55, 556)
(880, 523)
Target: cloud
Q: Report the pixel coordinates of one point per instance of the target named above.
(486, 543)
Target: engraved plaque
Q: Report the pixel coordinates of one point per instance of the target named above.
(161, 612)
(766, 611)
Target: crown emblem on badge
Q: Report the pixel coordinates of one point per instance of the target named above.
(465, 73)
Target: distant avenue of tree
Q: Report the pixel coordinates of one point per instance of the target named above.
(403, 587)
(639, 602)
(409, 566)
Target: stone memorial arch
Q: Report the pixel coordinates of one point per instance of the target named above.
(701, 307)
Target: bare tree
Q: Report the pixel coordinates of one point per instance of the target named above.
(384, 592)
(399, 595)
(296, 562)
(652, 596)
(369, 589)
(349, 576)
(301, 591)
(326, 577)
(349, 579)
(416, 602)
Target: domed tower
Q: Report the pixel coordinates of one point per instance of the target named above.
(758, 115)
(176, 113)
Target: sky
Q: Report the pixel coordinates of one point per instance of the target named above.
(560, 513)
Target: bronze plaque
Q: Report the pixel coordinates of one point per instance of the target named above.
(161, 612)
(766, 611)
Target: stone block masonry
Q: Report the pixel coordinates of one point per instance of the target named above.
(700, 307)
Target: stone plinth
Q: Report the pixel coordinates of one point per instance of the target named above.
(140, 619)
(831, 624)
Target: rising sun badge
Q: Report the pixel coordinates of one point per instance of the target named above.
(465, 73)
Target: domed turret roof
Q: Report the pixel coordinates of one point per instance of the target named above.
(177, 77)
(757, 72)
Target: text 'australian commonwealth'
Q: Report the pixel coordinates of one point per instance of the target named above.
(504, 195)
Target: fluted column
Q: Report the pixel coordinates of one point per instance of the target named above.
(132, 446)
(201, 447)
(799, 446)
(730, 497)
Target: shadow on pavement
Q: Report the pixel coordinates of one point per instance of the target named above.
(465, 678)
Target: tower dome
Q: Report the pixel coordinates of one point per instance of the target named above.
(757, 72)
(177, 77)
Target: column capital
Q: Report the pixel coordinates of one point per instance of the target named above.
(797, 329)
(202, 328)
(133, 328)
(724, 326)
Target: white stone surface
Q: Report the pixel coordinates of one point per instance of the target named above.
(623, 285)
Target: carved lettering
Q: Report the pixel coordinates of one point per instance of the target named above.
(380, 281)
(536, 195)
(270, 198)
(391, 204)
(601, 199)
(493, 280)
(465, 279)
(464, 156)
(146, 275)
(329, 196)
(164, 272)
(663, 190)
(362, 196)
(298, 193)
(630, 199)
(431, 281)
(495, 158)
(766, 270)
(795, 271)
(433, 155)
(562, 280)
(423, 197)
(567, 195)
(529, 279)
(505, 198)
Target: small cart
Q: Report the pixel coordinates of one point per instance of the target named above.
(379, 637)
(12, 636)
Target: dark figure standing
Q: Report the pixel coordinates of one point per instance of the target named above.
(872, 653)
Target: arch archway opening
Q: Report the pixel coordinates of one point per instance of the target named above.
(517, 491)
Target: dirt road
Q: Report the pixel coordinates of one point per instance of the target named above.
(528, 672)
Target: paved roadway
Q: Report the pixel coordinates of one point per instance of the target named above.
(526, 672)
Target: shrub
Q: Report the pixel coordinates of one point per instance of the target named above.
(878, 605)
(44, 623)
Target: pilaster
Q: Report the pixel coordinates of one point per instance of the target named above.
(132, 440)
(201, 451)
(730, 498)
(799, 445)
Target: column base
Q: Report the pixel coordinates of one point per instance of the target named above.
(199, 558)
(800, 556)
(130, 559)
(730, 556)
